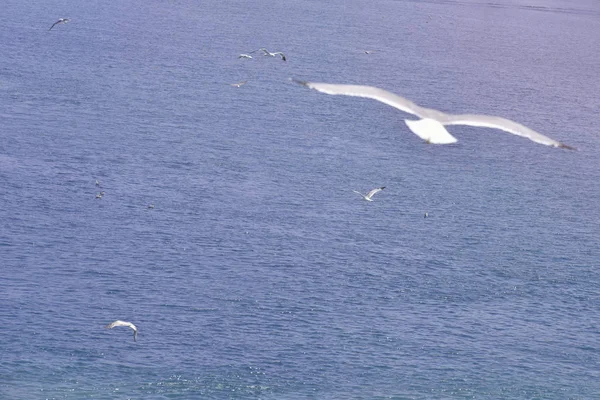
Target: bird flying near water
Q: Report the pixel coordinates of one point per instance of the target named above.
(268, 53)
(430, 126)
(60, 21)
(368, 196)
(124, 323)
(238, 84)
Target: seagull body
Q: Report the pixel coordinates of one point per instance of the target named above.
(60, 21)
(430, 126)
(244, 56)
(124, 323)
(368, 196)
(268, 53)
(238, 84)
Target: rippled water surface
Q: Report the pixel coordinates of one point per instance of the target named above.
(259, 273)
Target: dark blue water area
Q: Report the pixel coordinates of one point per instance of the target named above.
(259, 273)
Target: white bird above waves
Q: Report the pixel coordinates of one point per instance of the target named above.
(124, 323)
(368, 196)
(60, 21)
(268, 53)
(245, 56)
(238, 84)
(431, 125)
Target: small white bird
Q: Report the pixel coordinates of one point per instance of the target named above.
(97, 182)
(124, 323)
(60, 21)
(368, 196)
(238, 84)
(430, 126)
(268, 53)
(245, 56)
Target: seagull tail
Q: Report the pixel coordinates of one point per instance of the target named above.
(431, 131)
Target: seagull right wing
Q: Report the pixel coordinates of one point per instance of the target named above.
(53, 25)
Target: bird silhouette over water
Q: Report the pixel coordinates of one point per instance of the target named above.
(124, 323)
(268, 53)
(431, 122)
(60, 21)
(238, 84)
(368, 196)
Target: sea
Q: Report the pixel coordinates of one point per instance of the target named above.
(224, 223)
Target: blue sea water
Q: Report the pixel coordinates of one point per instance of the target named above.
(259, 274)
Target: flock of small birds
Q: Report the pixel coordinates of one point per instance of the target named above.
(429, 126)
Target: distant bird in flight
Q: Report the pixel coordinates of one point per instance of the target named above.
(244, 56)
(268, 53)
(124, 323)
(368, 196)
(97, 182)
(238, 84)
(60, 21)
(430, 126)
(99, 195)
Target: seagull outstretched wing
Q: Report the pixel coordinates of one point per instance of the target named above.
(430, 127)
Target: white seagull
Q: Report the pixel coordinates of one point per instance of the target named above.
(368, 196)
(268, 53)
(244, 56)
(124, 323)
(239, 84)
(60, 21)
(430, 126)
